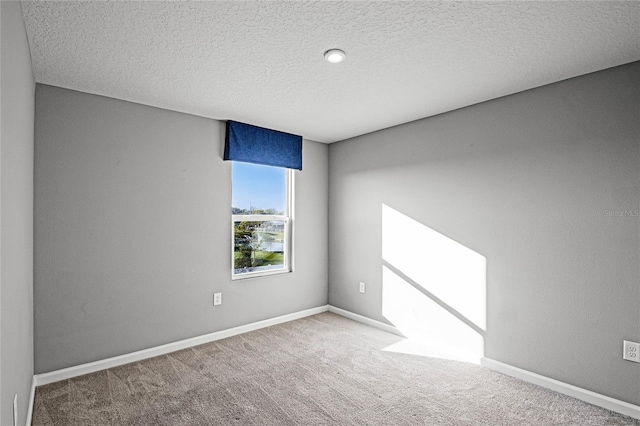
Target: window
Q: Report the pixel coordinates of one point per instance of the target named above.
(261, 220)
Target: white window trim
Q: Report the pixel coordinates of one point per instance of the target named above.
(288, 220)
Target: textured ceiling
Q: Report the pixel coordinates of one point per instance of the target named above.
(262, 62)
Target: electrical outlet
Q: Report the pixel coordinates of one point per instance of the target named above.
(217, 299)
(15, 410)
(631, 351)
(362, 287)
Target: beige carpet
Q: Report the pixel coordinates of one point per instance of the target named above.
(323, 369)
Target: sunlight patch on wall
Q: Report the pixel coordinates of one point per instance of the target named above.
(434, 290)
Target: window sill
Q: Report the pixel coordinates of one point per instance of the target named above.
(259, 274)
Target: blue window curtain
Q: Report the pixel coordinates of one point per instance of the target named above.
(257, 145)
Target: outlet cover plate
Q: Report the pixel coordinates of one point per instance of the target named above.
(631, 351)
(217, 299)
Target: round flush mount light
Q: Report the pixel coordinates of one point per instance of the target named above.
(335, 56)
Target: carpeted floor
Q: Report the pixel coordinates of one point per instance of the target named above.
(323, 369)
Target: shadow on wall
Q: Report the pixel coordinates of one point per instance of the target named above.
(433, 290)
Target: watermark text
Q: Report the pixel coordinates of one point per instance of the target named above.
(622, 213)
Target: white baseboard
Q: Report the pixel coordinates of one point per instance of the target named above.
(546, 382)
(92, 367)
(32, 395)
(365, 320)
(585, 395)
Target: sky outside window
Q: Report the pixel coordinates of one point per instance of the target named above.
(258, 187)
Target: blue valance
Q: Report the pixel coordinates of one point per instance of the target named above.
(252, 144)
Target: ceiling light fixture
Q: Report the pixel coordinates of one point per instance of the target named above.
(335, 56)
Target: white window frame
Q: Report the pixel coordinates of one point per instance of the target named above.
(288, 220)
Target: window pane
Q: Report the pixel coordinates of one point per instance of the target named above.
(258, 246)
(258, 189)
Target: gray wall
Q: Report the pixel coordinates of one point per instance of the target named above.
(132, 231)
(16, 250)
(534, 183)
